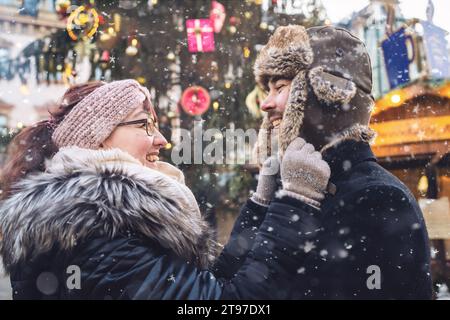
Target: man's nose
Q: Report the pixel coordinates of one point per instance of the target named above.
(267, 104)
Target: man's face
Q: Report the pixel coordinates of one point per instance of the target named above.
(276, 100)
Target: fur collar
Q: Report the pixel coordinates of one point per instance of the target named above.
(85, 192)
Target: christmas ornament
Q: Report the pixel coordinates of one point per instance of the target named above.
(217, 15)
(195, 100)
(200, 35)
(105, 56)
(82, 22)
(62, 8)
(132, 49)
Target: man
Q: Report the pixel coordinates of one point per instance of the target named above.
(366, 237)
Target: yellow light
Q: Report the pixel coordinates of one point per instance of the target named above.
(24, 89)
(111, 30)
(19, 125)
(171, 114)
(168, 146)
(117, 21)
(263, 25)
(246, 52)
(423, 185)
(396, 98)
(105, 37)
(82, 19)
(233, 29)
(171, 56)
(248, 14)
(134, 42)
(154, 2)
(215, 105)
(131, 50)
(141, 80)
(228, 85)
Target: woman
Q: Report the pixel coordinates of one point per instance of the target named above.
(89, 212)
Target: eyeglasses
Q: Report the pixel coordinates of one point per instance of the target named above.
(150, 126)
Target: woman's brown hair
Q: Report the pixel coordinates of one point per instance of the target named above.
(29, 149)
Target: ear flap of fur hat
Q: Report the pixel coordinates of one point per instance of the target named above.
(294, 112)
(331, 89)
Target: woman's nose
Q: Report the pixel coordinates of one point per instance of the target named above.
(159, 140)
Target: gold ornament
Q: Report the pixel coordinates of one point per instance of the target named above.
(85, 19)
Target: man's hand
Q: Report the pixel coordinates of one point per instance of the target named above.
(303, 173)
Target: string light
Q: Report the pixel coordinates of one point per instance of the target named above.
(246, 52)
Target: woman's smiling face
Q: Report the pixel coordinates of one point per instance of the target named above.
(133, 138)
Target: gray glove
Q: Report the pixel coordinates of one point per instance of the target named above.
(303, 173)
(267, 185)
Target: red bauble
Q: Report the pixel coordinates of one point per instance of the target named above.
(101, 20)
(233, 21)
(195, 100)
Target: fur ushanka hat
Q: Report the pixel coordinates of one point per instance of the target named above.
(327, 61)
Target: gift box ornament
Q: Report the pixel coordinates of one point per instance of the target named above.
(200, 34)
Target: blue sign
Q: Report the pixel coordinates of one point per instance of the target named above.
(396, 57)
(436, 50)
(30, 8)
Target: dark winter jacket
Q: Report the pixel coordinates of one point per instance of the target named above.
(368, 241)
(99, 225)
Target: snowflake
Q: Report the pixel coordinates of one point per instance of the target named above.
(171, 278)
(360, 50)
(308, 246)
(421, 135)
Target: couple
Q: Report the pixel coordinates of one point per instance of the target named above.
(85, 192)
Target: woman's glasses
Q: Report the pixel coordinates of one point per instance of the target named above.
(150, 126)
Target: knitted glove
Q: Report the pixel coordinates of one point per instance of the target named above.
(303, 173)
(267, 185)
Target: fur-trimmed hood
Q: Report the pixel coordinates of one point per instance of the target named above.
(325, 62)
(106, 192)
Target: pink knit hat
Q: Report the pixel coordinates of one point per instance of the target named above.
(93, 119)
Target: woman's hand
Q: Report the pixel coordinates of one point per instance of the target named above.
(267, 184)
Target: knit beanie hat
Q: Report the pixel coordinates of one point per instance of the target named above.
(325, 62)
(95, 117)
